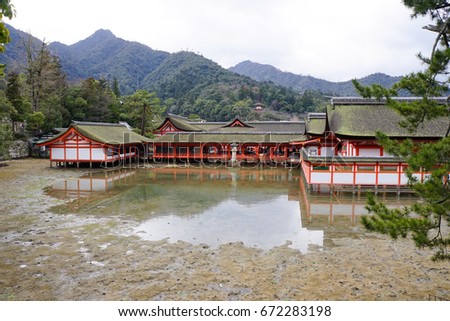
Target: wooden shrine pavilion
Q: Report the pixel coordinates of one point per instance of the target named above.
(337, 148)
(89, 142)
(342, 149)
(234, 141)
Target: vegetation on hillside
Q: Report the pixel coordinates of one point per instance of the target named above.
(103, 78)
(199, 86)
(302, 83)
(183, 76)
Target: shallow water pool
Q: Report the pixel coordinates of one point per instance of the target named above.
(260, 207)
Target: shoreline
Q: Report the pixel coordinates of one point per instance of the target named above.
(48, 256)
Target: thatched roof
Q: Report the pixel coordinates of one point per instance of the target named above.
(235, 126)
(365, 120)
(181, 123)
(279, 126)
(316, 123)
(106, 133)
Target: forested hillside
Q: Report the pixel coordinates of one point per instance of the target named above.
(199, 86)
(104, 56)
(300, 83)
(189, 84)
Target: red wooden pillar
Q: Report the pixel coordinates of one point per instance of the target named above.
(78, 147)
(332, 176)
(90, 153)
(377, 171)
(311, 168)
(65, 151)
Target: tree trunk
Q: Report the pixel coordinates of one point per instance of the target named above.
(143, 118)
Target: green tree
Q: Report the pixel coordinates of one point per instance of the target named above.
(98, 99)
(243, 108)
(6, 134)
(141, 108)
(115, 87)
(6, 138)
(14, 94)
(46, 84)
(91, 100)
(6, 108)
(35, 120)
(6, 10)
(43, 71)
(75, 104)
(426, 222)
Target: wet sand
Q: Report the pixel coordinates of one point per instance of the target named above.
(47, 256)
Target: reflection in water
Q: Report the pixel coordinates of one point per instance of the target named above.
(259, 207)
(85, 186)
(262, 224)
(86, 190)
(335, 205)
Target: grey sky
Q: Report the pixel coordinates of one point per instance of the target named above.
(329, 39)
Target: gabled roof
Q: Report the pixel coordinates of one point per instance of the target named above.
(105, 133)
(182, 124)
(365, 120)
(237, 123)
(179, 122)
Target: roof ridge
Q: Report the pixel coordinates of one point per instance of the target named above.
(177, 116)
(276, 122)
(236, 133)
(87, 123)
(339, 101)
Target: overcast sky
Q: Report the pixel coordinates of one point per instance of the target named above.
(330, 39)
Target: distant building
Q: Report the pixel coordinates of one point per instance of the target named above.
(259, 106)
(41, 151)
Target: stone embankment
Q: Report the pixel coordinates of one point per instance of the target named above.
(18, 149)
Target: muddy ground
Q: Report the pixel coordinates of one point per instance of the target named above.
(47, 256)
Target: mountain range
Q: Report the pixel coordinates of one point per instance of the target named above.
(261, 72)
(136, 66)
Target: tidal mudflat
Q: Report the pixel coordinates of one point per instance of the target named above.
(115, 244)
